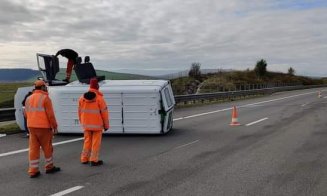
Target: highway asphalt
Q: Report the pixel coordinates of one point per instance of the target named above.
(279, 149)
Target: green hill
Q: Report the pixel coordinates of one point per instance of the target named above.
(17, 75)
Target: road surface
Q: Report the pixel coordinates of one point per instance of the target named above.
(279, 149)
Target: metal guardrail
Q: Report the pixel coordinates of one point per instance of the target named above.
(236, 94)
(7, 114)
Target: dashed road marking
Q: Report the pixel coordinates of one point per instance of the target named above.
(255, 122)
(184, 145)
(202, 114)
(67, 191)
(252, 106)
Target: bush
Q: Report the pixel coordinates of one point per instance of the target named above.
(184, 86)
(261, 68)
(195, 71)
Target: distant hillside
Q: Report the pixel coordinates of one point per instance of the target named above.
(23, 75)
(238, 80)
(16, 75)
(184, 73)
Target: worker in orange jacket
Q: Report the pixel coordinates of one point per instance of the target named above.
(42, 124)
(94, 117)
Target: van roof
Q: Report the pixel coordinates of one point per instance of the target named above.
(115, 86)
(111, 83)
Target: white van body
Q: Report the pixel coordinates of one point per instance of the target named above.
(135, 106)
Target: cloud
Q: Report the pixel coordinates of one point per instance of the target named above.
(149, 34)
(12, 13)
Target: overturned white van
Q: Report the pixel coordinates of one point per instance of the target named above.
(135, 106)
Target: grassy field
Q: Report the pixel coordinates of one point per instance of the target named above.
(7, 93)
(9, 128)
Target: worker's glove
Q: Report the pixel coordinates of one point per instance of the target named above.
(105, 129)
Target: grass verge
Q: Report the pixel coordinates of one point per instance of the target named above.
(9, 129)
(8, 91)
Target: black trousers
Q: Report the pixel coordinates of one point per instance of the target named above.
(25, 125)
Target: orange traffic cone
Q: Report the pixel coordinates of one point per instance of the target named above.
(234, 118)
(319, 94)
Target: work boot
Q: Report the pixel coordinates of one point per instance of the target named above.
(37, 174)
(85, 162)
(99, 162)
(66, 80)
(26, 135)
(52, 170)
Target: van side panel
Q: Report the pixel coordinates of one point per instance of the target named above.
(136, 107)
(114, 102)
(65, 105)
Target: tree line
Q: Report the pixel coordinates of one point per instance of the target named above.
(260, 69)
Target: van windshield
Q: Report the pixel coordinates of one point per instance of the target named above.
(168, 98)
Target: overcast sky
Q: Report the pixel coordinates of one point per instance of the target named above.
(168, 34)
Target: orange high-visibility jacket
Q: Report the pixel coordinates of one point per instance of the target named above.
(39, 111)
(92, 111)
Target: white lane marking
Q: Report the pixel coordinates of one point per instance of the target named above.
(255, 122)
(253, 106)
(247, 105)
(202, 114)
(304, 104)
(184, 145)
(13, 152)
(2, 135)
(26, 149)
(65, 192)
(67, 141)
(278, 99)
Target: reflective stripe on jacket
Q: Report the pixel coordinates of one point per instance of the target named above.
(39, 111)
(93, 112)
